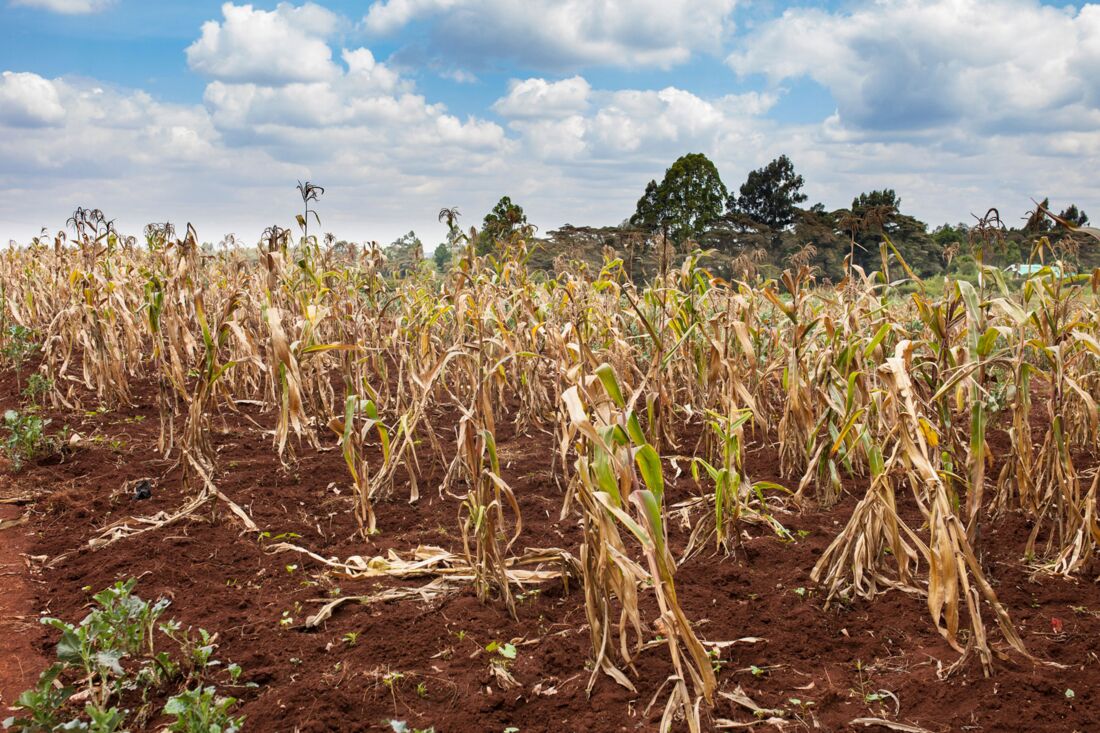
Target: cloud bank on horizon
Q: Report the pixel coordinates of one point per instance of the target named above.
(211, 113)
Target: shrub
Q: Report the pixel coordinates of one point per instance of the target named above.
(202, 711)
(27, 440)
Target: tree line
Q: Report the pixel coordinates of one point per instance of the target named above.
(763, 226)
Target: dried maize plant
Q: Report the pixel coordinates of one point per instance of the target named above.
(286, 378)
(482, 514)
(1064, 350)
(858, 561)
(1016, 483)
(373, 329)
(668, 372)
(585, 327)
(249, 379)
(523, 367)
(727, 362)
(99, 320)
(38, 297)
(649, 308)
(169, 309)
(612, 454)
(418, 351)
(852, 342)
(604, 466)
(170, 384)
(484, 525)
(695, 367)
(412, 422)
(796, 426)
(980, 341)
(942, 326)
(22, 305)
(359, 421)
(954, 573)
(424, 360)
(314, 343)
(197, 452)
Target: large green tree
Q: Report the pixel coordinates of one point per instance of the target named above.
(404, 254)
(770, 194)
(501, 223)
(686, 203)
(875, 207)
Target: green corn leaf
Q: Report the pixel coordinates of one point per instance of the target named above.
(611, 384)
(649, 465)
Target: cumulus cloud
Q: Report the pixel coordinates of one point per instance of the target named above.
(84, 128)
(284, 45)
(565, 33)
(924, 105)
(904, 65)
(276, 85)
(66, 7)
(391, 15)
(367, 109)
(351, 120)
(28, 100)
(567, 119)
(540, 98)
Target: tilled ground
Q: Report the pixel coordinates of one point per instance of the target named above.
(425, 662)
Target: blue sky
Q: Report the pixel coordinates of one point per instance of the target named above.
(209, 112)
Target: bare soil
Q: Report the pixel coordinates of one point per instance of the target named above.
(847, 661)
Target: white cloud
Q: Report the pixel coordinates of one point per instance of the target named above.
(361, 110)
(28, 100)
(565, 33)
(567, 118)
(287, 44)
(95, 130)
(904, 65)
(391, 15)
(540, 98)
(66, 7)
(459, 75)
(954, 125)
(358, 127)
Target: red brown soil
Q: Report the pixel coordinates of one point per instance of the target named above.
(223, 580)
(20, 661)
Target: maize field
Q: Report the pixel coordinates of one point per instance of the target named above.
(501, 499)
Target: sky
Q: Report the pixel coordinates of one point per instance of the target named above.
(210, 113)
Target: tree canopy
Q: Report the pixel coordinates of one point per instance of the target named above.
(1074, 216)
(770, 194)
(686, 203)
(404, 254)
(499, 224)
(765, 229)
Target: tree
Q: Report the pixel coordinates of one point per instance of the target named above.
(687, 202)
(442, 256)
(1074, 216)
(886, 199)
(946, 234)
(876, 214)
(769, 195)
(648, 212)
(404, 254)
(499, 224)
